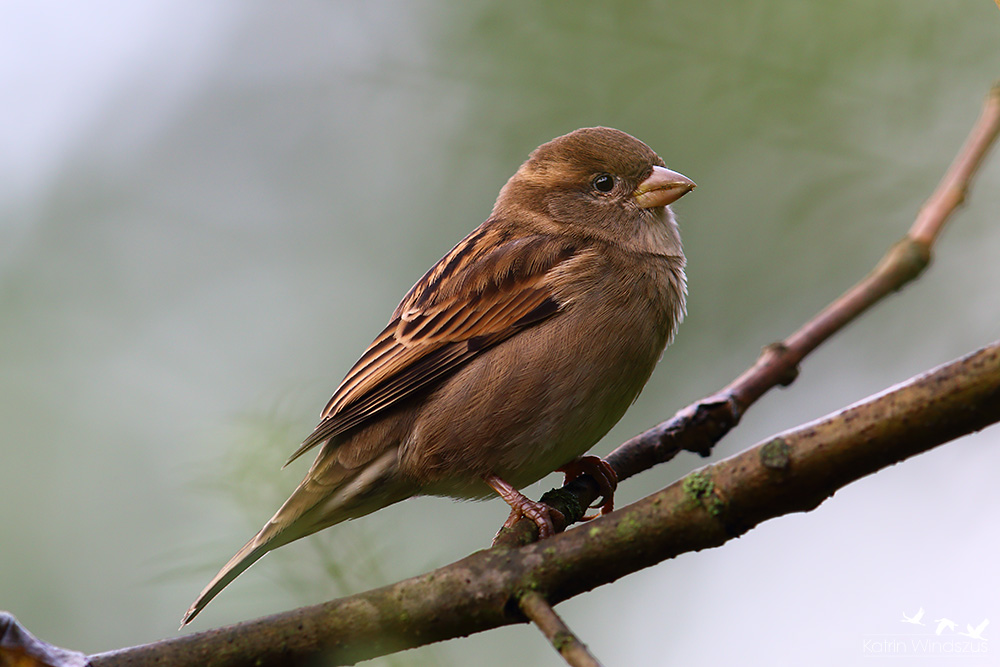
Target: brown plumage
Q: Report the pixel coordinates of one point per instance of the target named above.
(512, 355)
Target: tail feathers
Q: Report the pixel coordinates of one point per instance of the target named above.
(327, 496)
(251, 552)
(311, 506)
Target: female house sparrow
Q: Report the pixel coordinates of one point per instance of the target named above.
(512, 355)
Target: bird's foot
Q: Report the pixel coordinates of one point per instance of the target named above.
(542, 515)
(602, 473)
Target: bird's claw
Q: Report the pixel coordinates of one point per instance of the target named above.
(542, 515)
(602, 473)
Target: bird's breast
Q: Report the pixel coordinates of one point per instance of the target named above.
(543, 397)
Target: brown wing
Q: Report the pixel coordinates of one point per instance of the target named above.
(469, 301)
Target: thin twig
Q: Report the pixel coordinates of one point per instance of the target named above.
(699, 426)
(563, 640)
(954, 186)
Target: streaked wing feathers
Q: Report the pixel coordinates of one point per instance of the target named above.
(450, 316)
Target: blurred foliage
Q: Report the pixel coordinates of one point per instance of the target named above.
(207, 210)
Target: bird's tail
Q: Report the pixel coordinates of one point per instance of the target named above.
(251, 552)
(327, 496)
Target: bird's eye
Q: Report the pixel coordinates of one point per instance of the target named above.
(604, 183)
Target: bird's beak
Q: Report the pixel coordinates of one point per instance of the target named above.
(662, 187)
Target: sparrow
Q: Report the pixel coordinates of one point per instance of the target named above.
(512, 355)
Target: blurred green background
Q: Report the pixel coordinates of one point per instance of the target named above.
(207, 210)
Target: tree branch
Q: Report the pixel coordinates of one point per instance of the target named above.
(792, 472)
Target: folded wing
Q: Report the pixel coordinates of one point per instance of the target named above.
(465, 304)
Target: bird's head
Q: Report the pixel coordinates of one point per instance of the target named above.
(595, 181)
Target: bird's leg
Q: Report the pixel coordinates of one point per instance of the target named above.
(521, 505)
(603, 474)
